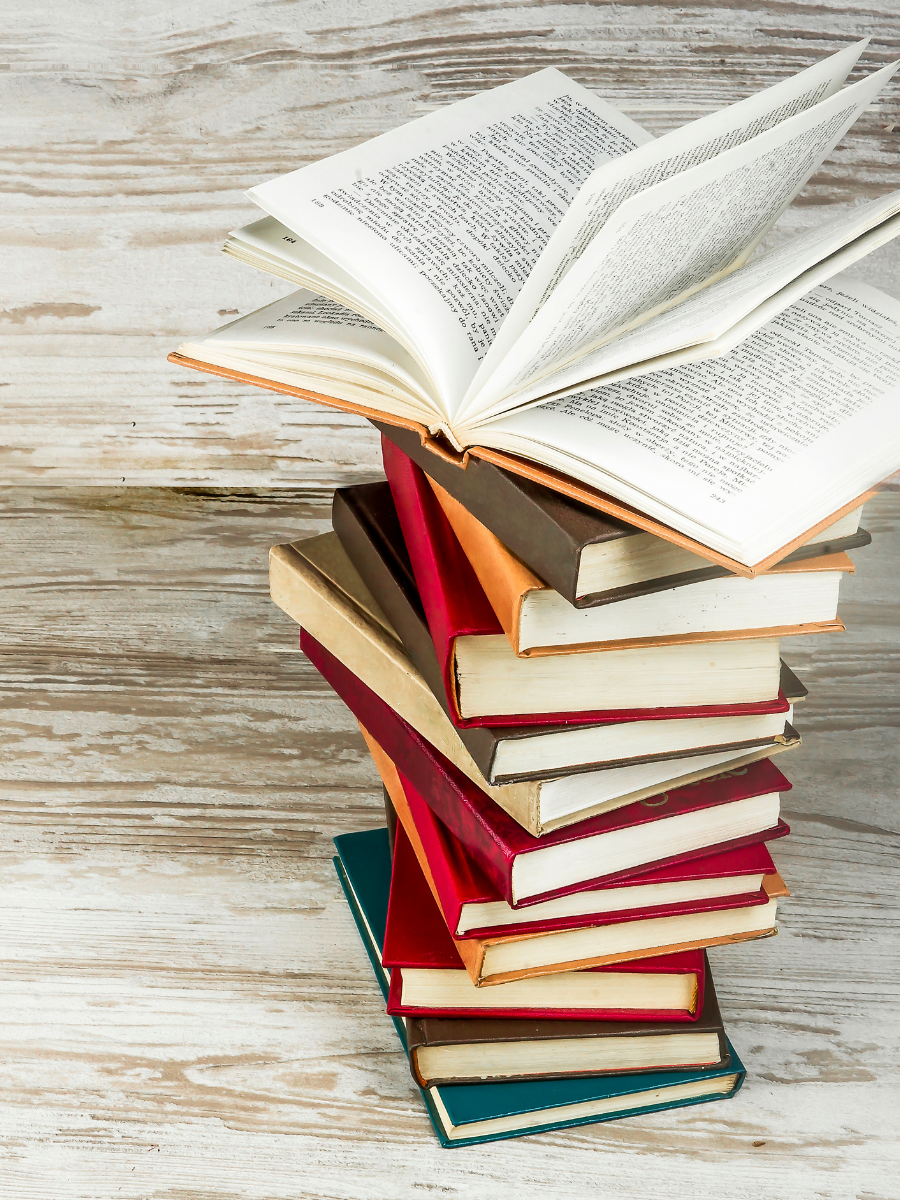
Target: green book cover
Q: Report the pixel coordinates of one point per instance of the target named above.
(466, 1114)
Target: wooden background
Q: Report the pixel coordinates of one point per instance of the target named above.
(186, 1012)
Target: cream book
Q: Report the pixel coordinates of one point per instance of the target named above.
(790, 598)
(316, 584)
(528, 275)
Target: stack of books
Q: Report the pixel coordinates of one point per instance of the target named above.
(622, 461)
(579, 782)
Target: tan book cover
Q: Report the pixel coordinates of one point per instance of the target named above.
(507, 581)
(315, 583)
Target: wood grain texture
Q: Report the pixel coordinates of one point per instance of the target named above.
(186, 1010)
(129, 133)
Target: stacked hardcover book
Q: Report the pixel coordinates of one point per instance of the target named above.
(623, 459)
(579, 781)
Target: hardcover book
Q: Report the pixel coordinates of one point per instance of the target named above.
(470, 1049)
(502, 958)
(346, 620)
(793, 598)
(472, 907)
(603, 328)
(365, 520)
(736, 807)
(586, 556)
(468, 1114)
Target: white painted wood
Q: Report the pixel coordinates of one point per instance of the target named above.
(129, 134)
(186, 1010)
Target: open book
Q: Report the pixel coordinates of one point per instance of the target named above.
(527, 274)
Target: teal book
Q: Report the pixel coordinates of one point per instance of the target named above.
(465, 1114)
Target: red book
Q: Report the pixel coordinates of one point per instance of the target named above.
(436, 982)
(455, 606)
(453, 599)
(733, 809)
(472, 906)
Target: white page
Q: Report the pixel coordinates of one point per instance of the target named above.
(445, 217)
(270, 239)
(269, 245)
(714, 320)
(613, 183)
(676, 237)
(747, 451)
(314, 338)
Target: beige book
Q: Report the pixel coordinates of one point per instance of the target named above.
(315, 583)
(789, 599)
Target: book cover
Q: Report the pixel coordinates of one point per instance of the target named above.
(488, 833)
(470, 1114)
(700, 1044)
(548, 530)
(460, 886)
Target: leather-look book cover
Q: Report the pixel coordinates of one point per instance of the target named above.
(426, 942)
(417, 938)
(457, 606)
(456, 881)
(428, 1032)
(488, 833)
(548, 530)
(467, 1114)
(365, 520)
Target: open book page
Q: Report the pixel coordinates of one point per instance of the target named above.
(444, 218)
(748, 451)
(613, 183)
(714, 320)
(272, 247)
(676, 237)
(311, 342)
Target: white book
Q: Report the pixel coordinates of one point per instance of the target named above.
(528, 272)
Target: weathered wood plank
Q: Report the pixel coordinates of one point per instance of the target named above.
(185, 1008)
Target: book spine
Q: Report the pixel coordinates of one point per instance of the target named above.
(434, 867)
(367, 549)
(502, 503)
(453, 599)
(471, 815)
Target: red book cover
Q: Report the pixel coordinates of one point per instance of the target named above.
(460, 881)
(453, 599)
(423, 942)
(455, 605)
(492, 838)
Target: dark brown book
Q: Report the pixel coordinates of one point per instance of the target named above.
(474, 1049)
(366, 522)
(552, 534)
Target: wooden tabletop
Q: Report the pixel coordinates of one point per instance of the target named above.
(186, 1011)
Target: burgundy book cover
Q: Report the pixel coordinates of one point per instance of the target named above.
(489, 834)
(453, 599)
(460, 881)
(455, 604)
(365, 519)
(425, 943)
